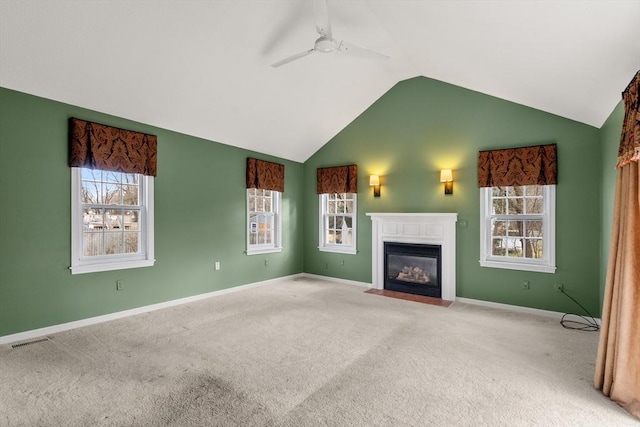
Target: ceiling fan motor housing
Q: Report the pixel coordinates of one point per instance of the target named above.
(325, 45)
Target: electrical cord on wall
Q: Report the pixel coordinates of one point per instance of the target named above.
(589, 325)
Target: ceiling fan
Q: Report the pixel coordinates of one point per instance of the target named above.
(326, 43)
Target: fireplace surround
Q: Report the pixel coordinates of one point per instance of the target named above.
(415, 228)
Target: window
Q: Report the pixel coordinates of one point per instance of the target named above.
(338, 222)
(112, 220)
(517, 228)
(263, 221)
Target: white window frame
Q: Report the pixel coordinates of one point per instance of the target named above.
(276, 246)
(323, 223)
(547, 264)
(81, 264)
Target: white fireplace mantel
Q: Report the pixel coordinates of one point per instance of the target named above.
(418, 228)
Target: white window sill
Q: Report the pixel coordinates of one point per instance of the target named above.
(110, 266)
(338, 250)
(519, 266)
(263, 251)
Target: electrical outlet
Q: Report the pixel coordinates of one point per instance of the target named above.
(216, 265)
(342, 262)
(119, 285)
(526, 285)
(559, 287)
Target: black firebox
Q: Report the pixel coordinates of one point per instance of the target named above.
(413, 268)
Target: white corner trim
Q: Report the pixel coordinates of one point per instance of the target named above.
(36, 333)
(517, 308)
(337, 280)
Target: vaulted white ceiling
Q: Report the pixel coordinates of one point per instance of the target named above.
(203, 67)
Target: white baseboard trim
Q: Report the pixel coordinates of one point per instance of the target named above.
(337, 280)
(518, 308)
(547, 313)
(37, 333)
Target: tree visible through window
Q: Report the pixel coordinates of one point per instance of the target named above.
(338, 222)
(112, 220)
(517, 227)
(511, 234)
(110, 213)
(263, 221)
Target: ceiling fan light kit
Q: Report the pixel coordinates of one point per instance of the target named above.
(326, 43)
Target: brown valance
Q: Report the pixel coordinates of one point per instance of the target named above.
(265, 175)
(339, 179)
(629, 150)
(536, 165)
(96, 146)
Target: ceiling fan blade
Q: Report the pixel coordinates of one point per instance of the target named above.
(292, 58)
(321, 11)
(355, 50)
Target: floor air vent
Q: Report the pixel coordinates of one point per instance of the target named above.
(22, 344)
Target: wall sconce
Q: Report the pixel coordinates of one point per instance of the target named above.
(374, 181)
(447, 177)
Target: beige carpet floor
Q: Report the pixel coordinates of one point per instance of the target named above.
(308, 352)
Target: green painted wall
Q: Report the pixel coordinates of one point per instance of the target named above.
(199, 218)
(421, 126)
(609, 143)
(417, 128)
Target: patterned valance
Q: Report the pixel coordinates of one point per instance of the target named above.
(96, 146)
(629, 150)
(339, 179)
(536, 165)
(265, 175)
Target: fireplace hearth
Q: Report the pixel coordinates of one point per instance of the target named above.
(413, 268)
